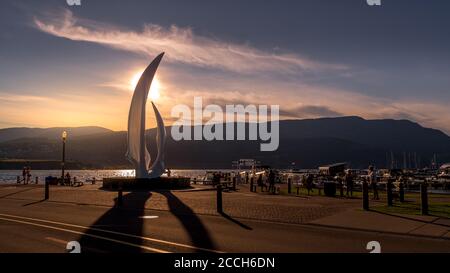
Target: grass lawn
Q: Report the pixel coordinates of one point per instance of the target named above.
(358, 194)
(413, 208)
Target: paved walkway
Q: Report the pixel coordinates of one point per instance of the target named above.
(318, 210)
(201, 200)
(428, 226)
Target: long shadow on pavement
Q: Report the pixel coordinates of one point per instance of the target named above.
(198, 233)
(413, 219)
(125, 220)
(228, 217)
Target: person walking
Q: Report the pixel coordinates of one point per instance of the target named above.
(28, 174)
(271, 181)
(349, 182)
(373, 182)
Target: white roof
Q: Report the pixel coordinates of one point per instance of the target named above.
(445, 166)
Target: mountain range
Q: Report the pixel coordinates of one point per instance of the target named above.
(304, 143)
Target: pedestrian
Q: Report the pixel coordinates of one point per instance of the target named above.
(216, 178)
(309, 183)
(67, 180)
(28, 174)
(259, 181)
(272, 181)
(373, 182)
(238, 178)
(349, 182)
(24, 174)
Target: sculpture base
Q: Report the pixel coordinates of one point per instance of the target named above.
(129, 183)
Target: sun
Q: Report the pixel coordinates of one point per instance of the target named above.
(155, 87)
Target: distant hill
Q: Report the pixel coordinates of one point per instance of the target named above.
(50, 133)
(309, 143)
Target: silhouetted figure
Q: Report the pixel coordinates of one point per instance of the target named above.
(216, 179)
(67, 179)
(24, 174)
(259, 181)
(373, 182)
(349, 182)
(309, 183)
(238, 178)
(272, 181)
(28, 174)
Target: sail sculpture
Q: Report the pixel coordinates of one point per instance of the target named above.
(137, 152)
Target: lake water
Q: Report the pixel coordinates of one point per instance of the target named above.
(10, 176)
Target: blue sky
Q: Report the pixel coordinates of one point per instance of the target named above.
(72, 66)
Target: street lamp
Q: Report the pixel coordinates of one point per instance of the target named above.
(64, 137)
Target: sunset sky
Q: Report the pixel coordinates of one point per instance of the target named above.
(75, 66)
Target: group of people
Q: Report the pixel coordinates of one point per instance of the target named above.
(271, 177)
(26, 174)
(372, 180)
(346, 179)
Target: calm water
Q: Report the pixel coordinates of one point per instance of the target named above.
(8, 176)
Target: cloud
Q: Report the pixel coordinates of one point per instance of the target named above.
(8, 97)
(180, 44)
(309, 111)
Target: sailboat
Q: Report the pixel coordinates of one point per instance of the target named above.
(137, 152)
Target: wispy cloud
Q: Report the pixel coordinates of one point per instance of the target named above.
(181, 44)
(8, 97)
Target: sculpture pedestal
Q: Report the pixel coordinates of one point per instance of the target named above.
(129, 183)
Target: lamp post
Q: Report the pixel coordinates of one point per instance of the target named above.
(64, 137)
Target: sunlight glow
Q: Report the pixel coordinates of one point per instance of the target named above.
(155, 87)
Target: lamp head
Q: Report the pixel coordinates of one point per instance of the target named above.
(64, 135)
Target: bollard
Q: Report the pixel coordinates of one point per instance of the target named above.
(401, 192)
(289, 185)
(219, 199)
(18, 179)
(234, 183)
(47, 190)
(389, 193)
(120, 196)
(37, 180)
(424, 198)
(341, 189)
(251, 184)
(298, 189)
(365, 192)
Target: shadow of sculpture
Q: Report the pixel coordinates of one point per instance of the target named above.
(198, 233)
(126, 219)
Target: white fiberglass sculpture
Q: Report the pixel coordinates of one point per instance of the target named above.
(137, 150)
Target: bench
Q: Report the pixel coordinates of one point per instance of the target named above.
(229, 185)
